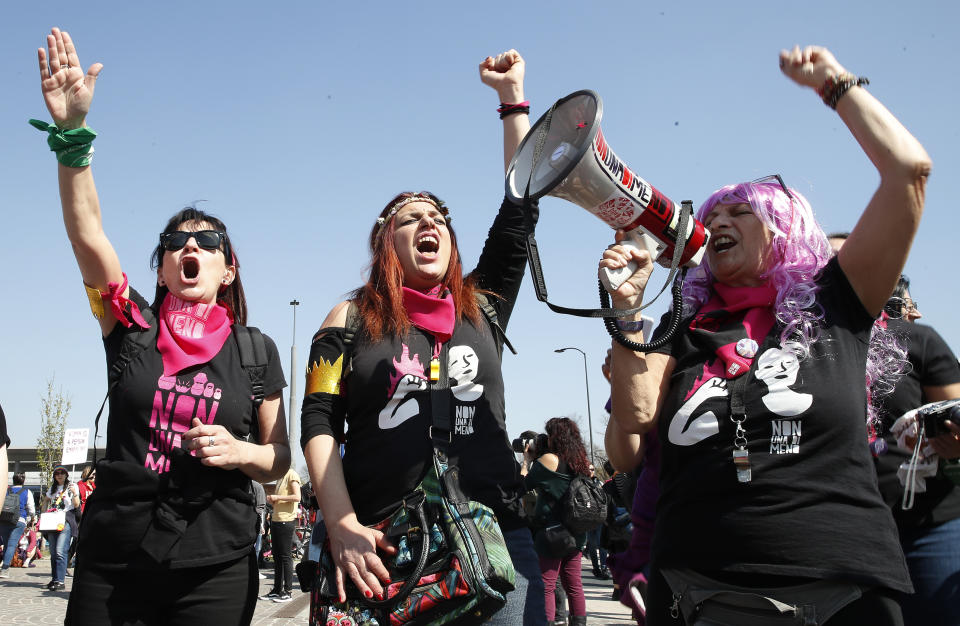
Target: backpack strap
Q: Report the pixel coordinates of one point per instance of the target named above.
(483, 300)
(350, 329)
(253, 358)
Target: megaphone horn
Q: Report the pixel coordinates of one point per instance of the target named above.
(578, 165)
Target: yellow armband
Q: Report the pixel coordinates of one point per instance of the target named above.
(96, 301)
(324, 376)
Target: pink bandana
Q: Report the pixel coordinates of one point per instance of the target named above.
(190, 333)
(432, 313)
(118, 304)
(734, 323)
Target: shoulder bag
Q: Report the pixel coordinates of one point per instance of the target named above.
(452, 565)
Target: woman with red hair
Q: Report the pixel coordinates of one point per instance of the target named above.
(416, 309)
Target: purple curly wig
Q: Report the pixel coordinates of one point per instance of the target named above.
(799, 250)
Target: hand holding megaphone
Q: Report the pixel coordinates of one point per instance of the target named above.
(613, 277)
(625, 269)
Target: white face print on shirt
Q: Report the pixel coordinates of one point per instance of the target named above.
(462, 367)
(778, 369)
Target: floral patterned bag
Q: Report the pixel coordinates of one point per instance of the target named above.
(458, 572)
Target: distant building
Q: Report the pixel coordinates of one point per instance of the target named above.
(25, 460)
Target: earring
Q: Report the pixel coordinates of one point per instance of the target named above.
(161, 282)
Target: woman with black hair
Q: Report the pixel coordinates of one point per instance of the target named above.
(62, 496)
(168, 533)
(929, 521)
(550, 475)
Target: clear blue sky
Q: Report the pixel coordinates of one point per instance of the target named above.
(297, 121)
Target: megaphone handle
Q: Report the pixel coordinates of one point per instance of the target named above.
(613, 278)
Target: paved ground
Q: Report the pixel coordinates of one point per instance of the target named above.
(24, 600)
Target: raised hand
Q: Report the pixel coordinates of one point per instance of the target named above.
(810, 67)
(617, 256)
(67, 91)
(505, 74)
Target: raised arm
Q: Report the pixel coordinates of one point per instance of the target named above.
(68, 93)
(876, 251)
(638, 380)
(504, 73)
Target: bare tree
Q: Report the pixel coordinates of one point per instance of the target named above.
(54, 409)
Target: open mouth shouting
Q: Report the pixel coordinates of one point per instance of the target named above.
(722, 243)
(428, 244)
(189, 270)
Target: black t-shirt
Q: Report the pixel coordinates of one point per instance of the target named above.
(384, 402)
(933, 365)
(812, 508)
(148, 414)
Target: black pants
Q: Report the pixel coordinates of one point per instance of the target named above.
(281, 534)
(877, 607)
(225, 593)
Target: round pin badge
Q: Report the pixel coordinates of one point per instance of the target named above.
(878, 447)
(747, 348)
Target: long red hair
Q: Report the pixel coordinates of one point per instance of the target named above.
(380, 300)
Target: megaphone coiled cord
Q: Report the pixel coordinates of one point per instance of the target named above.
(611, 322)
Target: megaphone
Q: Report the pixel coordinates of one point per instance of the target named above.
(576, 163)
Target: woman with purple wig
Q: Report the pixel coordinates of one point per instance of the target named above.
(769, 509)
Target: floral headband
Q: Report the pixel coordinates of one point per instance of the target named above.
(402, 202)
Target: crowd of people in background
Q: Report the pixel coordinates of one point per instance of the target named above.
(742, 454)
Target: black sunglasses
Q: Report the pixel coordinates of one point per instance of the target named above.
(206, 239)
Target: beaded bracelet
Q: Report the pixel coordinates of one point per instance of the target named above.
(506, 109)
(835, 87)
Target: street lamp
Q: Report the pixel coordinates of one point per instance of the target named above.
(293, 386)
(586, 380)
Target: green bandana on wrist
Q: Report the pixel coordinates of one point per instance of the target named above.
(74, 147)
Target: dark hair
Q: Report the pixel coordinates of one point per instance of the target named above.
(838, 235)
(380, 300)
(893, 307)
(566, 443)
(19, 478)
(230, 296)
(53, 478)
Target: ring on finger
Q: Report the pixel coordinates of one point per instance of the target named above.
(211, 440)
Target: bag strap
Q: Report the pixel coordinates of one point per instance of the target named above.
(441, 426)
(413, 506)
(490, 312)
(253, 358)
